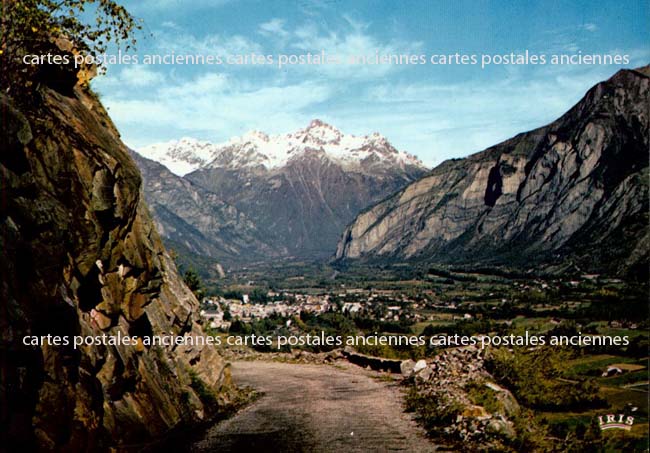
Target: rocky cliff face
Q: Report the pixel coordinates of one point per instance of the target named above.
(298, 190)
(80, 256)
(195, 221)
(573, 193)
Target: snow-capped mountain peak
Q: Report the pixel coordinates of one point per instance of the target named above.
(255, 149)
(319, 133)
(180, 156)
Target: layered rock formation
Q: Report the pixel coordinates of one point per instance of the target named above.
(80, 256)
(573, 193)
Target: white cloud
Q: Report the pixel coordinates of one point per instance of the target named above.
(356, 50)
(590, 27)
(352, 44)
(136, 112)
(437, 122)
(130, 76)
(218, 106)
(206, 85)
(432, 120)
(315, 8)
(357, 25)
(274, 28)
(638, 57)
(211, 44)
(567, 39)
(139, 76)
(170, 24)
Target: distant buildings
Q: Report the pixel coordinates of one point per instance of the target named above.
(246, 311)
(351, 307)
(380, 304)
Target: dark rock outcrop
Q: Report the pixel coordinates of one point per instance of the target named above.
(573, 194)
(374, 363)
(81, 257)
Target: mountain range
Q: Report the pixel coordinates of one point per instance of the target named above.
(572, 195)
(259, 197)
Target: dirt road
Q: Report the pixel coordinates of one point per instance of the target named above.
(315, 408)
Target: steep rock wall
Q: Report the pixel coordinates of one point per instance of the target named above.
(80, 256)
(574, 192)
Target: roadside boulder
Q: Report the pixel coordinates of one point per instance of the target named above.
(419, 365)
(407, 367)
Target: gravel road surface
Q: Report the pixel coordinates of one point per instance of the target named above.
(315, 408)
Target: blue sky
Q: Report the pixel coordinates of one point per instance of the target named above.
(433, 111)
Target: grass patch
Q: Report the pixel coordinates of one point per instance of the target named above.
(627, 378)
(484, 396)
(207, 396)
(594, 365)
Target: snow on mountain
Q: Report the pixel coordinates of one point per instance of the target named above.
(180, 156)
(259, 149)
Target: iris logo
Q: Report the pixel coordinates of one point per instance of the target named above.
(619, 421)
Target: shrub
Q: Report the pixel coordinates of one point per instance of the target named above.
(433, 412)
(30, 26)
(207, 396)
(536, 379)
(484, 396)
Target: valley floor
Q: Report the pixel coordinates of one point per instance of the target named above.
(316, 408)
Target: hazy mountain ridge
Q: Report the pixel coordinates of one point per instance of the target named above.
(195, 219)
(574, 192)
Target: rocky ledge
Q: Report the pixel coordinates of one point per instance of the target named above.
(457, 400)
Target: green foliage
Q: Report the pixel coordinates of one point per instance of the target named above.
(258, 295)
(531, 435)
(330, 323)
(589, 365)
(628, 303)
(194, 283)
(638, 347)
(586, 436)
(536, 379)
(484, 396)
(240, 327)
(30, 26)
(371, 324)
(207, 396)
(270, 326)
(233, 294)
(433, 413)
(255, 295)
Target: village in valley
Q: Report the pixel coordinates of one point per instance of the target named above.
(220, 312)
(434, 301)
(574, 383)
